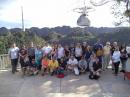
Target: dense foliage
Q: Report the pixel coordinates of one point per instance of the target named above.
(64, 35)
(19, 38)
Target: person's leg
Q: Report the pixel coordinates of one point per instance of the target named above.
(13, 65)
(23, 71)
(107, 61)
(91, 76)
(22, 63)
(16, 63)
(123, 62)
(23, 67)
(76, 71)
(84, 68)
(88, 61)
(113, 66)
(100, 60)
(116, 67)
(51, 71)
(104, 63)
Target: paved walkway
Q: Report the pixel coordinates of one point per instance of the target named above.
(70, 86)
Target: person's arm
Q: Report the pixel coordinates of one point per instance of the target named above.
(91, 65)
(79, 64)
(76, 62)
(18, 52)
(99, 70)
(9, 53)
(85, 63)
(91, 68)
(20, 55)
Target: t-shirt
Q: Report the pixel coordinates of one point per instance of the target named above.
(72, 50)
(60, 52)
(78, 52)
(53, 64)
(47, 49)
(124, 54)
(38, 54)
(22, 52)
(45, 62)
(72, 62)
(116, 56)
(13, 52)
(88, 54)
(31, 51)
(106, 50)
(82, 63)
(84, 49)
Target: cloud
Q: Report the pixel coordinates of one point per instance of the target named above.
(4, 3)
(12, 24)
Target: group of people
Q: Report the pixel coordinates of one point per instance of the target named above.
(76, 58)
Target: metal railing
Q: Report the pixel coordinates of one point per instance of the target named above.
(5, 62)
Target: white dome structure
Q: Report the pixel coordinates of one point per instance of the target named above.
(83, 21)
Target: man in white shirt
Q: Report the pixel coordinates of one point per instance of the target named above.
(72, 64)
(13, 55)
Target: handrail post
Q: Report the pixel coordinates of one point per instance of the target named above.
(4, 61)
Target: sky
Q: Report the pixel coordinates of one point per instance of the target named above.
(51, 13)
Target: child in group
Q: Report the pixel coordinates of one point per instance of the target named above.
(38, 57)
(45, 63)
(82, 65)
(53, 65)
(63, 63)
(25, 66)
(72, 64)
(95, 68)
(33, 68)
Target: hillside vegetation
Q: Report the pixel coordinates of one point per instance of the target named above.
(64, 35)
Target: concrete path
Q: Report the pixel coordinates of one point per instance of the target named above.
(70, 86)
